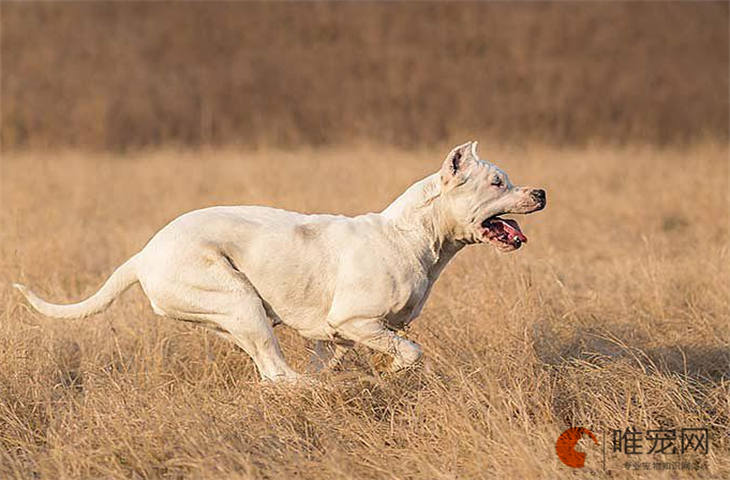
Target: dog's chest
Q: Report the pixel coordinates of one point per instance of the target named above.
(410, 302)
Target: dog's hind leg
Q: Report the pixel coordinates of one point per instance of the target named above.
(222, 298)
(250, 329)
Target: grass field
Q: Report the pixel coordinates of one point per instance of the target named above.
(141, 74)
(615, 314)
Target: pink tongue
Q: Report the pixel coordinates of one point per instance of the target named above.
(512, 229)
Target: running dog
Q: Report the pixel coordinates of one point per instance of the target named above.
(338, 280)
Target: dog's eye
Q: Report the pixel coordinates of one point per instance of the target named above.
(497, 182)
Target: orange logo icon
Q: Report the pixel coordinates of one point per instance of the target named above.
(565, 446)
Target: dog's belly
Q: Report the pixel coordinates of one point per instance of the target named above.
(282, 254)
(289, 258)
(295, 280)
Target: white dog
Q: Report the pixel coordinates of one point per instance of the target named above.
(242, 270)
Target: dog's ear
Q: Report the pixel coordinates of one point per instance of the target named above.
(455, 169)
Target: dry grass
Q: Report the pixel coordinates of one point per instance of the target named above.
(113, 75)
(614, 314)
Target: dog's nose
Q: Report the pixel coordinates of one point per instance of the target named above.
(538, 195)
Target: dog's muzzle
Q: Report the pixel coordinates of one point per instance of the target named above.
(505, 233)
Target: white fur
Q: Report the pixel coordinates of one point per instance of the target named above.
(242, 270)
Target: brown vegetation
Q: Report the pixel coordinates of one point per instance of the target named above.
(613, 315)
(128, 74)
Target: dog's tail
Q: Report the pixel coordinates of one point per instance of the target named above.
(122, 278)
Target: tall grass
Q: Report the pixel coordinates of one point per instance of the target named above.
(614, 314)
(118, 75)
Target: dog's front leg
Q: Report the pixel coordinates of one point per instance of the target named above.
(372, 333)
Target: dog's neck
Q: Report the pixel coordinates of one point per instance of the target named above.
(420, 216)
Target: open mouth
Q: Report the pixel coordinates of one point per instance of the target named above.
(504, 233)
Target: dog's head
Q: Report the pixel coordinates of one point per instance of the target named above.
(475, 193)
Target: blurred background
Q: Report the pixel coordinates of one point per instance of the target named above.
(117, 117)
(120, 75)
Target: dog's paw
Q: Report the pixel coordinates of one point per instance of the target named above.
(381, 363)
